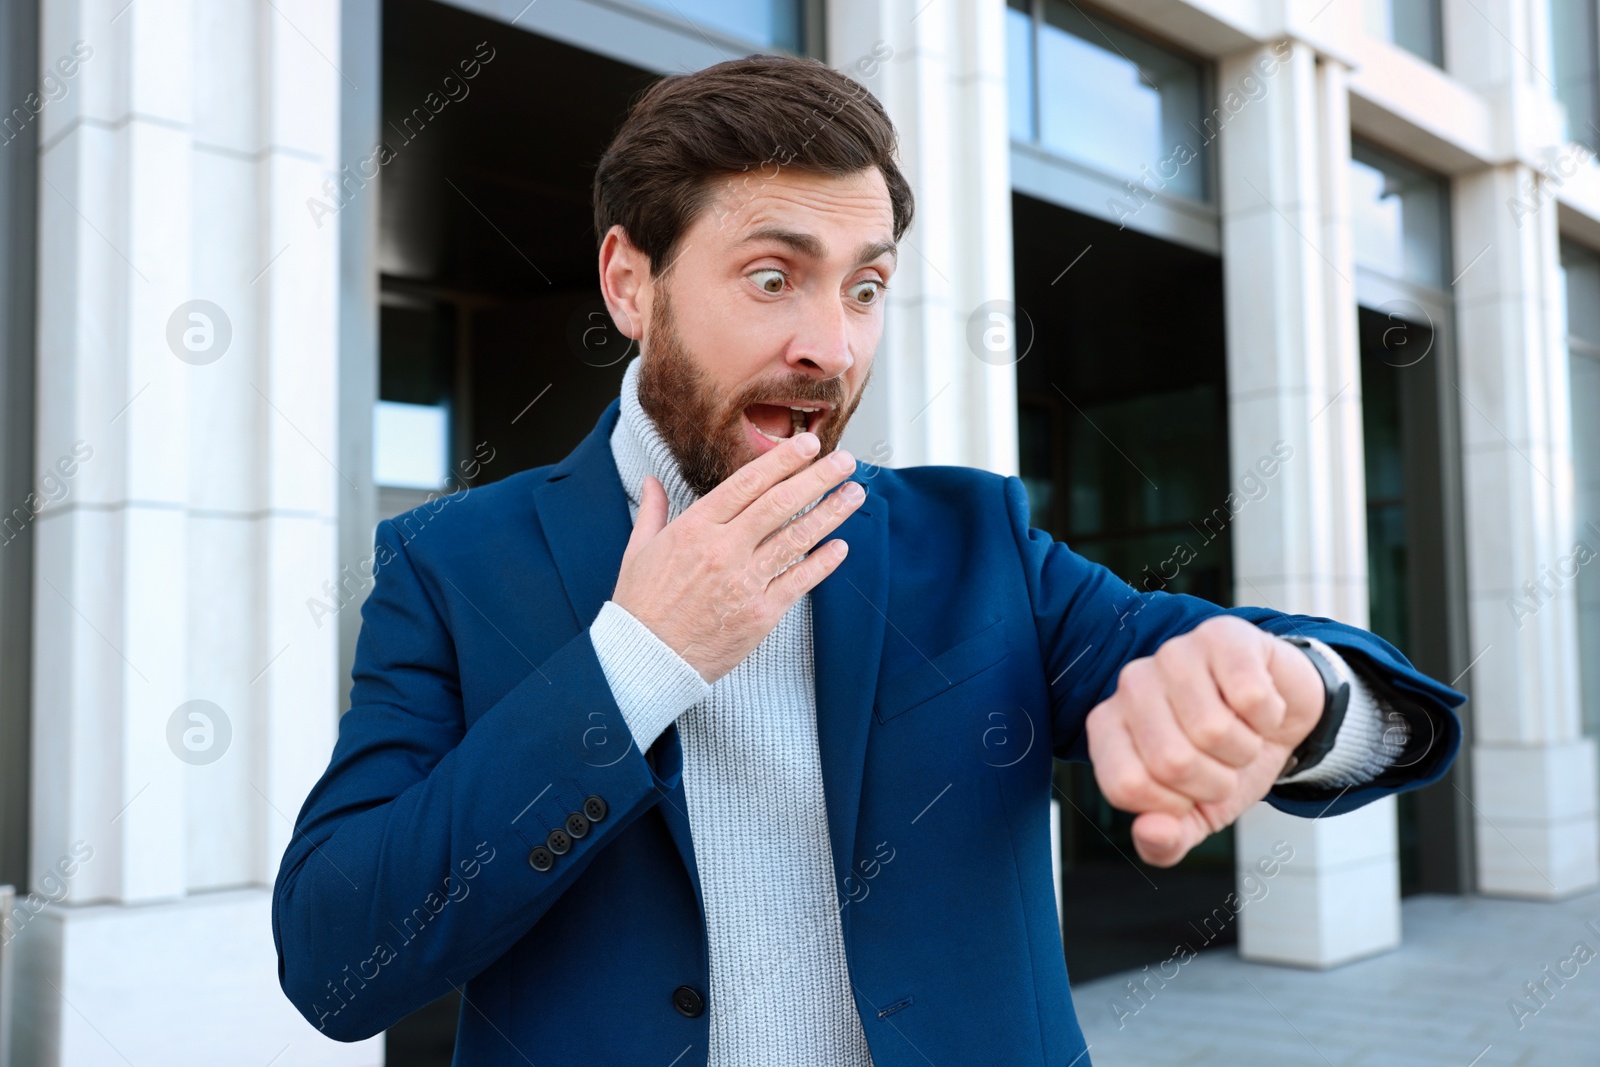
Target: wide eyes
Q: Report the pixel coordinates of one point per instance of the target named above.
(771, 280)
(871, 287)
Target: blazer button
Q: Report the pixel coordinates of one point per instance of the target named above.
(541, 859)
(577, 825)
(595, 808)
(558, 842)
(688, 1001)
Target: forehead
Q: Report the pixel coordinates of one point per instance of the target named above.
(841, 211)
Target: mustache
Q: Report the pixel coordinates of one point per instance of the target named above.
(830, 392)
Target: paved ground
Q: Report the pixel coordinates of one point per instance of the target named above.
(1444, 998)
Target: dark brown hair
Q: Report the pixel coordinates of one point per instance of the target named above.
(739, 120)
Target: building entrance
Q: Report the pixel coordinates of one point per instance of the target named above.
(1122, 423)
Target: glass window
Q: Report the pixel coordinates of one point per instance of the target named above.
(1384, 447)
(769, 22)
(1019, 69)
(1414, 25)
(1400, 218)
(1573, 40)
(410, 443)
(1402, 448)
(1119, 103)
(1580, 270)
(1154, 538)
(1036, 447)
(411, 424)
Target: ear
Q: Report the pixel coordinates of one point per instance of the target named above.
(624, 281)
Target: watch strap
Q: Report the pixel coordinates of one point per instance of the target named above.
(1336, 699)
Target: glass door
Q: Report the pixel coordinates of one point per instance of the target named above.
(1123, 444)
(1409, 403)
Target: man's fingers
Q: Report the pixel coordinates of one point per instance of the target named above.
(1162, 839)
(1294, 676)
(783, 501)
(1210, 703)
(652, 517)
(1240, 670)
(746, 485)
(800, 535)
(801, 578)
(1200, 710)
(1120, 772)
(1172, 759)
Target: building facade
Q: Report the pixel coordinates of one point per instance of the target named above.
(1293, 304)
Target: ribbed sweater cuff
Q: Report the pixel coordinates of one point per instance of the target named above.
(651, 683)
(1369, 740)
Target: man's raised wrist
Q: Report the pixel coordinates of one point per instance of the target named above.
(1369, 740)
(650, 682)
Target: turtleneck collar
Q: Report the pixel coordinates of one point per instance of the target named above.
(639, 449)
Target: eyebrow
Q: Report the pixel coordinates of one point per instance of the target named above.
(810, 245)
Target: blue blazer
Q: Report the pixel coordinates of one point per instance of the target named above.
(957, 651)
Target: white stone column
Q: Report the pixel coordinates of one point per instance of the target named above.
(939, 70)
(1534, 780)
(187, 369)
(1294, 376)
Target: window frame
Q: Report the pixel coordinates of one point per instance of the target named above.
(1079, 186)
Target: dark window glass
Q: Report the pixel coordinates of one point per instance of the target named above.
(1158, 523)
(1393, 389)
(412, 424)
(1036, 453)
(1123, 445)
(1386, 483)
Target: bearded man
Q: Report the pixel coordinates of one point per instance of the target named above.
(678, 751)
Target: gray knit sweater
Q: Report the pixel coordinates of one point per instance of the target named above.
(752, 778)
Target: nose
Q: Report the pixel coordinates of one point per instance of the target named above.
(821, 347)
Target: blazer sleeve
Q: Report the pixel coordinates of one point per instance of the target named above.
(1091, 623)
(408, 870)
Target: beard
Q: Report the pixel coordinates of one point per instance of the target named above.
(704, 430)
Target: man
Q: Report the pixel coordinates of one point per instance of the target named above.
(701, 746)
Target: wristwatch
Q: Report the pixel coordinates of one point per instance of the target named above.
(1336, 698)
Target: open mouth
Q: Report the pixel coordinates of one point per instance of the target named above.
(778, 422)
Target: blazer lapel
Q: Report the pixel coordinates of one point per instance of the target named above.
(847, 625)
(584, 514)
(583, 511)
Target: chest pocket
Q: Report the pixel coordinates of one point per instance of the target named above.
(927, 679)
